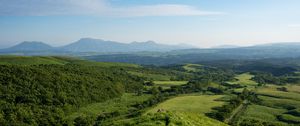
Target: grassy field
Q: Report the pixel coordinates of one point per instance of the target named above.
(104, 64)
(271, 90)
(169, 83)
(194, 104)
(149, 76)
(244, 79)
(175, 119)
(29, 60)
(263, 113)
(275, 105)
(192, 67)
(37, 60)
(293, 88)
(120, 105)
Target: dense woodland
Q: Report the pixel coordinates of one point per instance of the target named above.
(44, 94)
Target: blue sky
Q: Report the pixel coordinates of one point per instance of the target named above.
(203, 23)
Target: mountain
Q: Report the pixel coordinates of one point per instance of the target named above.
(87, 46)
(98, 45)
(94, 45)
(29, 47)
(267, 51)
(225, 47)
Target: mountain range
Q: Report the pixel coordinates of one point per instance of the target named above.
(102, 50)
(89, 45)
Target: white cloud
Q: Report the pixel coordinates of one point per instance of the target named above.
(160, 10)
(95, 7)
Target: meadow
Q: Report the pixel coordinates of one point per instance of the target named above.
(276, 107)
(200, 104)
(244, 79)
(192, 67)
(150, 76)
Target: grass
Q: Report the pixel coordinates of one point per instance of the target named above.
(37, 60)
(244, 79)
(279, 102)
(262, 113)
(192, 67)
(175, 119)
(194, 104)
(289, 118)
(104, 64)
(169, 83)
(271, 90)
(121, 105)
(149, 76)
(274, 106)
(29, 60)
(293, 88)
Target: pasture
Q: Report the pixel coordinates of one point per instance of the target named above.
(276, 107)
(150, 76)
(170, 83)
(193, 104)
(192, 67)
(244, 79)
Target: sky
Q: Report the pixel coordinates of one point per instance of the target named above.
(201, 23)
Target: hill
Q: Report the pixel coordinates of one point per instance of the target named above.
(43, 90)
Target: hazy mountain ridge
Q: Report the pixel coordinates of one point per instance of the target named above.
(91, 45)
(29, 46)
(281, 50)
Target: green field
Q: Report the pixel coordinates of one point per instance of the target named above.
(150, 76)
(192, 67)
(170, 83)
(271, 90)
(29, 60)
(274, 106)
(194, 104)
(262, 113)
(37, 60)
(175, 119)
(244, 79)
(119, 104)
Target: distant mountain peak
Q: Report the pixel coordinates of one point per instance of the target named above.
(90, 39)
(150, 42)
(87, 45)
(30, 46)
(225, 46)
(146, 42)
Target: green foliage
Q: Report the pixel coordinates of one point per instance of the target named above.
(289, 119)
(43, 94)
(123, 105)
